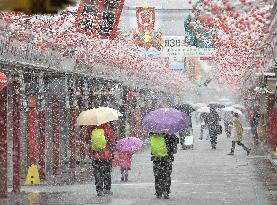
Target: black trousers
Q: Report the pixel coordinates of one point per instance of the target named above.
(102, 173)
(162, 169)
(213, 137)
(255, 134)
(240, 144)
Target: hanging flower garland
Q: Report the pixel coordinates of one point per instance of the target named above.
(59, 32)
(237, 29)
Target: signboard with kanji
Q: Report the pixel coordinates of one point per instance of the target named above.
(176, 47)
(99, 17)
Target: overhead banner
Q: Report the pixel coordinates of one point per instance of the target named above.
(145, 18)
(99, 17)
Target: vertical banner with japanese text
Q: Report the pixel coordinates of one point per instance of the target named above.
(145, 18)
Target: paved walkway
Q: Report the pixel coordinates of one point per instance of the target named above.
(200, 177)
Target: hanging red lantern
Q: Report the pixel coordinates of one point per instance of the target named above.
(3, 80)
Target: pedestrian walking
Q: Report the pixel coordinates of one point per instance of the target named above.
(237, 135)
(101, 148)
(204, 127)
(212, 120)
(254, 124)
(124, 161)
(227, 118)
(126, 147)
(183, 134)
(163, 147)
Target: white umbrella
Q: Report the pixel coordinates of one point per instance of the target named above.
(232, 109)
(198, 105)
(224, 99)
(238, 106)
(227, 103)
(97, 116)
(204, 109)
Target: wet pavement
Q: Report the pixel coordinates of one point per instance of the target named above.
(201, 176)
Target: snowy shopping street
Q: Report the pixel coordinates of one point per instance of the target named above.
(138, 102)
(201, 176)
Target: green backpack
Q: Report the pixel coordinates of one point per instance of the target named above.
(158, 146)
(98, 140)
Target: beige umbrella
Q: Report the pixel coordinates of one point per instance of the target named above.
(97, 116)
(204, 109)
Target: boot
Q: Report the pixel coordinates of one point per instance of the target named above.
(108, 192)
(158, 195)
(213, 146)
(248, 151)
(231, 153)
(100, 193)
(166, 195)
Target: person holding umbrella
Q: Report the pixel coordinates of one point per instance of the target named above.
(204, 128)
(126, 147)
(101, 154)
(227, 118)
(187, 109)
(163, 148)
(237, 134)
(101, 143)
(212, 120)
(161, 125)
(254, 124)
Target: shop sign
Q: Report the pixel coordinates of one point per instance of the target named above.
(175, 47)
(171, 50)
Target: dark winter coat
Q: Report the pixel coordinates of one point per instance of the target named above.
(256, 118)
(212, 120)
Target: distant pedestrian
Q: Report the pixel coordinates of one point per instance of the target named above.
(212, 120)
(124, 161)
(254, 124)
(101, 139)
(237, 134)
(228, 119)
(187, 131)
(204, 127)
(163, 147)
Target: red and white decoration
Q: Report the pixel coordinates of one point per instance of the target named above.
(145, 18)
(238, 30)
(3, 80)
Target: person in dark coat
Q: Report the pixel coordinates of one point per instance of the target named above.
(212, 120)
(254, 124)
(162, 166)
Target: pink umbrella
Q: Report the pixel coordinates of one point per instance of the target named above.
(129, 144)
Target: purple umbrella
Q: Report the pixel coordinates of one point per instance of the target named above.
(165, 120)
(129, 144)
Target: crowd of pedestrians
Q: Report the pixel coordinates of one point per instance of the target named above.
(102, 151)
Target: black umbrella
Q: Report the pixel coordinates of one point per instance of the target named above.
(186, 108)
(216, 105)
